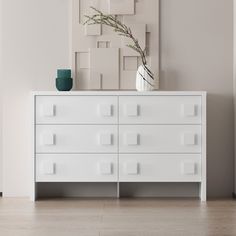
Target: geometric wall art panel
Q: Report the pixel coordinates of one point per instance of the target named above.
(92, 30)
(83, 60)
(130, 63)
(103, 44)
(121, 7)
(104, 65)
(100, 58)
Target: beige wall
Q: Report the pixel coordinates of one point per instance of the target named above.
(35, 43)
(196, 54)
(234, 96)
(0, 98)
(1, 151)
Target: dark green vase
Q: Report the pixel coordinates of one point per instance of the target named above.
(64, 73)
(64, 84)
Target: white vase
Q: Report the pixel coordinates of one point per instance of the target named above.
(144, 79)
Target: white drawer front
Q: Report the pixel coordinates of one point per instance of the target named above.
(159, 168)
(76, 139)
(160, 138)
(76, 168)
(160, 109)
(76, 110)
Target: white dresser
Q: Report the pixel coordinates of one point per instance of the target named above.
(119, 137)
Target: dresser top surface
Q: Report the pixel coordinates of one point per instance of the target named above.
(118, 93)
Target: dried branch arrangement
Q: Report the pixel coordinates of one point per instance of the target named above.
(119, 27)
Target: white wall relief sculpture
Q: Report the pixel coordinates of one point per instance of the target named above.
(100, 57)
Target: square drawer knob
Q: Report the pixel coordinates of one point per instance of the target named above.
(47, 139)
(131, 139)
(48, 168)
(189, 168)
(131, 110)
(131, 168)
(105, 110)
(105, 139)
(189, 110)
(105, 168)
(47, 110)
(189, 139)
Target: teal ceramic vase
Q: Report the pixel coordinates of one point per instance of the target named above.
(63, 73)
(64, 82)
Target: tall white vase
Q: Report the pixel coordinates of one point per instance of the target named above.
(144, 79)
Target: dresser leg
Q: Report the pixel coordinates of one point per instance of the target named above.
(118, 190)
(203, 191)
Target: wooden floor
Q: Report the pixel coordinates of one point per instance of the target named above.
(126, 217)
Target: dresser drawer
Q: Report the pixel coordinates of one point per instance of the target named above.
(76, 139)
(76, 109)
(159, 168)
(159, 138)
(76, 168)
(160, 109)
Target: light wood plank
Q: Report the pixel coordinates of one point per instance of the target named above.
(111, 217)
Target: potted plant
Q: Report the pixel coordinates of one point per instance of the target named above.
(145, 78)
